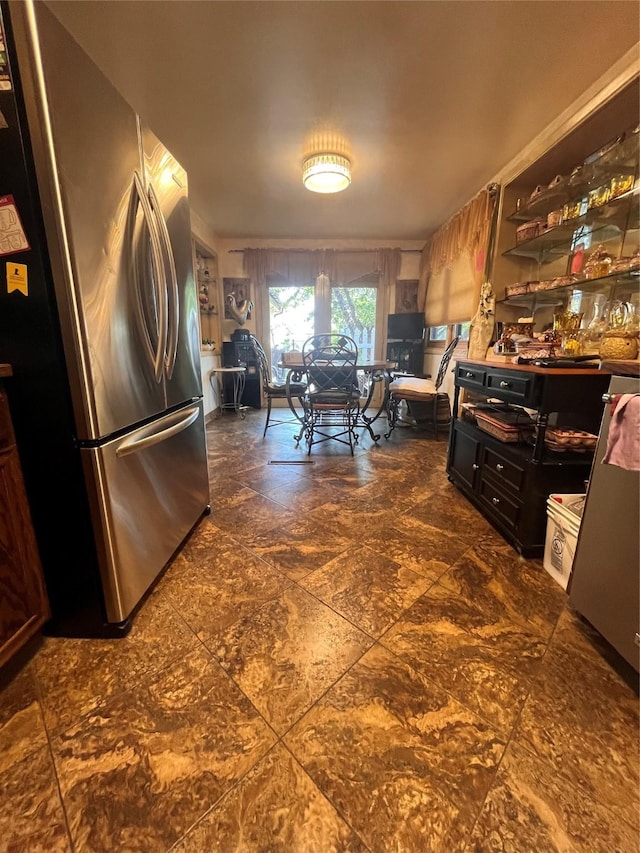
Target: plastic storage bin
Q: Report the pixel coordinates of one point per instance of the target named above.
(564, 515)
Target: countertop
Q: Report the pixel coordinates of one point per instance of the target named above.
(546, 371)
(622, 368)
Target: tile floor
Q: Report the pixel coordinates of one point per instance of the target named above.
(344, 657)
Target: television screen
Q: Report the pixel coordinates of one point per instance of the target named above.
(406, 327)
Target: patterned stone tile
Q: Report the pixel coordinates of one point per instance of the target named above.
(287, 653)
(501, 582)
(353, 516)
(530, 807)
(253, 514)
(213, 587)
(275, 808)
(22, 728)
(267, 478)
(76, 677)
(404, 763)
(155, 745)
(138, 774)
(486, 662)
(31, 814)
(300, 547)
(447, 503)
(319, 488)
(366, 588)
(424, 549)
(582, 719)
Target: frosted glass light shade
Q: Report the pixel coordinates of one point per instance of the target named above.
(326, 173)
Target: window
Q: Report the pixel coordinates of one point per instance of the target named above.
(437, 334)
(296, 313)
(461, 330)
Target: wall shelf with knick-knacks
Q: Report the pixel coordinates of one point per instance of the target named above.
(207, 284)
(570, 244)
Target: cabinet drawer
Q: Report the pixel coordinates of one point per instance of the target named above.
(510, 386)
(506, 509)
(502, 470)
(470, 376)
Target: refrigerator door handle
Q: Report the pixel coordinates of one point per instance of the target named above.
(173, 316)
(148, 436)
(160, 282)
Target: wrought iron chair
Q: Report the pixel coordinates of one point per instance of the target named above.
(332, 399)
(273, 390)
(425, 402)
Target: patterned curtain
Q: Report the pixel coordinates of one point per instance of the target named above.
(454, 261)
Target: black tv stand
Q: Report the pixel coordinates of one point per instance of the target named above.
(409, 355)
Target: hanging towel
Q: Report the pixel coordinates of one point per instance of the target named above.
(623, 443)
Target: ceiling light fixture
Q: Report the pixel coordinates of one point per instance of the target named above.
(326, 173)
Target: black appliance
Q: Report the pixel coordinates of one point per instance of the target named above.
(240, 353)
(406, 327)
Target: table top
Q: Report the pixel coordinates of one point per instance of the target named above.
(364, 365)
(227, 369)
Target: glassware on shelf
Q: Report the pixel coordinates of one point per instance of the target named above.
(571, 344)
(567, 321)
(621, 183)
(598, 263)
(620, 340)
(599, 196)
(595, 325)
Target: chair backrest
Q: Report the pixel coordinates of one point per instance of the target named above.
(263, 362)
(330, 362)
(444, 362)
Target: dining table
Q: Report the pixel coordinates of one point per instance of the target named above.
(373, 372)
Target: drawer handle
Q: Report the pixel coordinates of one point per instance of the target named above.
(469, 374)
(504, 384)
(475, 467)
(495, 500)
(499, 467)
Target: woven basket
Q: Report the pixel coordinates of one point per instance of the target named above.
(509, 433)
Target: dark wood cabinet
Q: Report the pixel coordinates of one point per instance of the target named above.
(510, 483)
(241, 353)
(408, 355)
(23, 601)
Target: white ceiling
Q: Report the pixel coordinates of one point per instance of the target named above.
(430, 99)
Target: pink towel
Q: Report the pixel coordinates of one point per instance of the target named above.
(623, 443)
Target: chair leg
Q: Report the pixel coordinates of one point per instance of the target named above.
(392, 415)
(435, 414)
(266, 426)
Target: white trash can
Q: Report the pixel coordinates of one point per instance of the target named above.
(564, 515)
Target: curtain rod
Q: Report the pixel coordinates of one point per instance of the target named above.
(352, 251)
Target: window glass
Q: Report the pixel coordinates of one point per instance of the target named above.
(296, 313)
(461, 330)
(353, 313)
(291, 314)
(437, 333)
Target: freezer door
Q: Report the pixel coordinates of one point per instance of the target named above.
(166, 183)
(148, 489)
(605, 582)
(94, 219)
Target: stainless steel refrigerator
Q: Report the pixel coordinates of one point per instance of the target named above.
(99, 319)
(605, 581)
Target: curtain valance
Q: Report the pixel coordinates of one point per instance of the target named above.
(342, 267)
(452, 264)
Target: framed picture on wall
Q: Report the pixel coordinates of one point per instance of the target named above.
(407, 296)
(237, 298)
